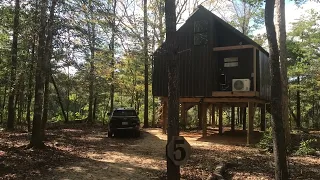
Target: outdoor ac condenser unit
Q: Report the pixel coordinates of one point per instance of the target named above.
(240, 84)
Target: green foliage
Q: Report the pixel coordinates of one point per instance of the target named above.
(305, 147)
(304, 64)
(266, 141)
(248, 15)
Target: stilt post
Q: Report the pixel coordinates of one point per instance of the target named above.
(232, 118)
(250, 124)
(220, 120)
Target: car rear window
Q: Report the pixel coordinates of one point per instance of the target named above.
(124, 113)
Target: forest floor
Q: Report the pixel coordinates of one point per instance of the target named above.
(83, 152)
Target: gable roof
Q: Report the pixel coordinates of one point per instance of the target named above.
(230, 27)
(225, 24)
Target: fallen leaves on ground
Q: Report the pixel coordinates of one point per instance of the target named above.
(85, 152)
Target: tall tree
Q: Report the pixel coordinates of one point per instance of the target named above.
(303, 67)
(31, 66)
(281, 169)
(146, 63)
(281, 40)
(14, 57)
(161, 14)
(112, 45)
(36, 138)
(92, 39)
(246, 12)
(47, 66)
(173, 171)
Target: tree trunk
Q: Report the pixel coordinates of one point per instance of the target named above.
(92, 39)
(29, 98)
(298, 122)
(45, 105)
(31, 72)
(14, 57)
(313, 110)
(3, 103)
(68, 92)
(161, 14)
(21, 98)
(281, 169)
(36, 138)
(173, 171)
(281, 40)
(153, 122)
(60, 100)
(47, 58)
(95, 107)
(113, 33)
(146, 64)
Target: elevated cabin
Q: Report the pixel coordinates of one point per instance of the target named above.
(218, 66)
(211, 54)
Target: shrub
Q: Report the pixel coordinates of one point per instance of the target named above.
(305, 147)
(266, 141)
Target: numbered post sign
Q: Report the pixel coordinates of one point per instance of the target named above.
(178, 150)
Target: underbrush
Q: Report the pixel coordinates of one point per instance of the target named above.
(306, 148)
(304, 145)
(266, 142)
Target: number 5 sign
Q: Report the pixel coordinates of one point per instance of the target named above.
(178, 150)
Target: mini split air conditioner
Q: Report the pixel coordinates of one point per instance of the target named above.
(240, 84)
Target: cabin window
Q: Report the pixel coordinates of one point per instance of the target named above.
(231, 62)
(200, 32)
(201, 26)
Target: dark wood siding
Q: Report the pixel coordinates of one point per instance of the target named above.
(264, 76)
(195, 62)
(242, 71)
(226, 37)
(200, 67)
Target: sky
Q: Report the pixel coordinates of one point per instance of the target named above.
(293, 13)
(222, 9)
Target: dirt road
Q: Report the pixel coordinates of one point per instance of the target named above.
(85, 153)
(116, 158)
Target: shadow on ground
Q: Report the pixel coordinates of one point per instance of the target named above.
(84, 152)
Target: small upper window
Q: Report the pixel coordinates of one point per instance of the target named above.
(200, 38)
(200, 32)
(200, 26)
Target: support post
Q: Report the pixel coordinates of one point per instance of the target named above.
(165, 117)
(183, 115)
(204, 108)
(220, 120)
(263, 117)
(254, 69)
(232, 119)
(244, 118)
(250, 124)
(213, 114)
(199, 115)
(238, 115)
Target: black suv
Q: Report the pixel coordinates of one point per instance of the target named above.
(123, 119)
